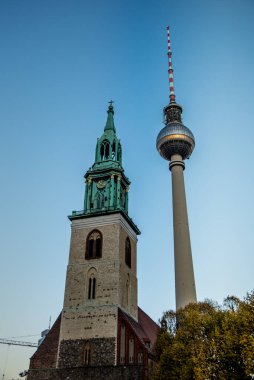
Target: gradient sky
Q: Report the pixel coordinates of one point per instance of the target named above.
(61, 62)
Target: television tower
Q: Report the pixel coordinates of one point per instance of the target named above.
(175, 143)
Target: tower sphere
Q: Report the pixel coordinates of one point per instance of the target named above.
(175, 138)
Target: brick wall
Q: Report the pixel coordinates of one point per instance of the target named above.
(46, 354)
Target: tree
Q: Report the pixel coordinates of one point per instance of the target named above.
(204, 341)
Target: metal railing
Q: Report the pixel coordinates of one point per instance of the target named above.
(99, 210)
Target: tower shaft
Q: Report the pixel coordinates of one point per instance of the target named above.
(184, 274)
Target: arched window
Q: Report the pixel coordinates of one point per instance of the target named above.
(113, 151)
(131, 350)
(94, 245)
(140, 357)
(128, 252)
(91, 283)
(104, 150)
(91, 288)
(122, 344)
(87, 354)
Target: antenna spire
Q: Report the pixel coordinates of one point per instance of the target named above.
(170, 71)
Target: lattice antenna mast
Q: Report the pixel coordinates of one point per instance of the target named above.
(170, 71)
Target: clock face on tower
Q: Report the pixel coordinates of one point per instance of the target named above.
(101, 184)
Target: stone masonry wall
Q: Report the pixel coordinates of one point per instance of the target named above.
(71, 352)
(89, 373)
(116, 283)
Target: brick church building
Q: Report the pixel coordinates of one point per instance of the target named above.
(101, 332)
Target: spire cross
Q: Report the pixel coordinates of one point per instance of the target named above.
(170, 70)
(111, 103)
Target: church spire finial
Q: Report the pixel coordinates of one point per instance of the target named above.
(110, 126)
(170, 71)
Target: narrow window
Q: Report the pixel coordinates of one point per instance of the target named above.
(119, 153)
(90, 248)
(87, 355)
(90, 289)
(114, 151)
(91, 283)
(122, 344)
(93, 288)
(140, 358)
(107, 151)
(102, 152)
(94, 245)
(131, 350)
(98, 248)
(128, 252)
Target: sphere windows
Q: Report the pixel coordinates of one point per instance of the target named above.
(94, 245)
(128, 252)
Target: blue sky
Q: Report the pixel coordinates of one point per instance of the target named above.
(61, 62)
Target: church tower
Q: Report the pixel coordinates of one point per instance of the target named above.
(101, 331)
(101, 273)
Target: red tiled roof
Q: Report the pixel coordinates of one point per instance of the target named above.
(148, 325)
(146, 329)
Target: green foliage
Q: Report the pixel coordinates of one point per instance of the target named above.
(204, 341)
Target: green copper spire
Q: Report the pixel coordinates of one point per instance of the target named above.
(106, 184)
(108, 151)
(110, 126)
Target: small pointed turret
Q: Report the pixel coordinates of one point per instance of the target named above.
(108, 151)
(110, 126)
